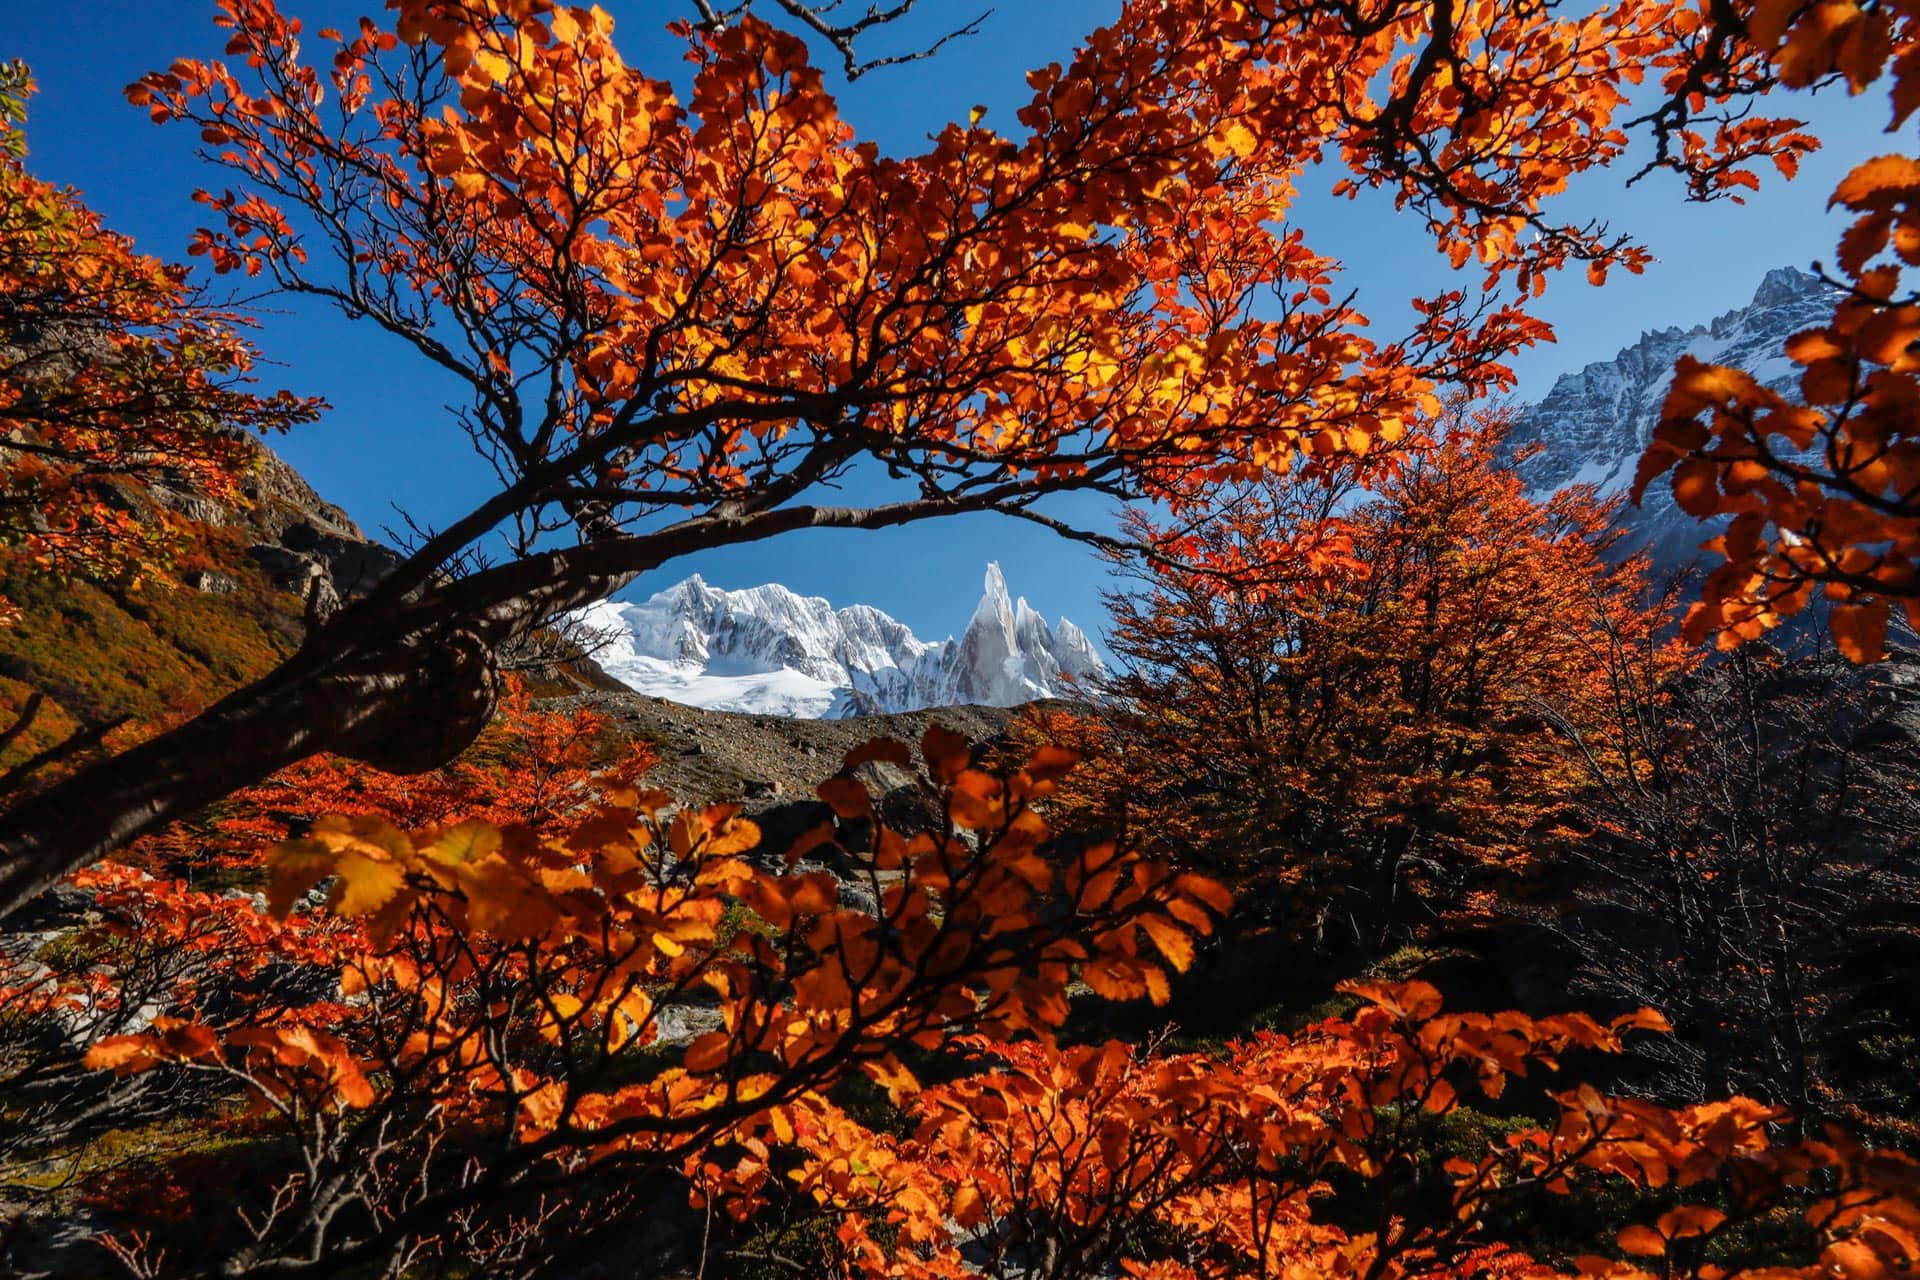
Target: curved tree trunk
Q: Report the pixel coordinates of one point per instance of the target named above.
(403, 679)
(412, 706)
(402, 684)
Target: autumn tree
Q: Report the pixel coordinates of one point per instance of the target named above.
(554, 1020)
(114, 372)
(1750, 871)
(673, 323)
(1345, 696)
(1339, 1150)
(174, 926)
(1821, 494)
(497, 1083)
(111, 367)
(678, 324)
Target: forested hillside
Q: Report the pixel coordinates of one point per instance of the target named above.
(1434, 889)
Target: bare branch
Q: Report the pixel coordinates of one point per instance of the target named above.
(844, 36)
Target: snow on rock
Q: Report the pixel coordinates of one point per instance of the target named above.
(769, 651)
(1594, 424)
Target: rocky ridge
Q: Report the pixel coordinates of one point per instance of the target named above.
(299, 540)
(1594, 424)
(249, 576)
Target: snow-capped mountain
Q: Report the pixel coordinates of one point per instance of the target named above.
(1594, 425)
(769, 651)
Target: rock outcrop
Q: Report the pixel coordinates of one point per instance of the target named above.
(302, 542)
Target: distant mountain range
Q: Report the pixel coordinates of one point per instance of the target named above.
(769, 651)
(1594, 424)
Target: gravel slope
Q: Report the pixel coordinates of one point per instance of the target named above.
(708, 756)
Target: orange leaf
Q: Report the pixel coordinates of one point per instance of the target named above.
(880, 750)
(1171, 939)
(1860, 630)
(1868, 183)
(124, 1055)
(847, 798)
(1642, 1241)
(946, 753)
(1690, 1220)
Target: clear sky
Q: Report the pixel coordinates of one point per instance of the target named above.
(388, 443)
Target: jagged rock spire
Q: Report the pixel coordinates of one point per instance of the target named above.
(765, 649)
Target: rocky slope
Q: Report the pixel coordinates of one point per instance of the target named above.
(764, 761)
(1594, 424)
(299, 540)
(766, 650)
(102, 651)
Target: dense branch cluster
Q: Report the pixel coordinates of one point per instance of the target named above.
(516, 1009)
(111, 368)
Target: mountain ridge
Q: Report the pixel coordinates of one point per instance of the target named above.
(769, 650)
(1594, 423)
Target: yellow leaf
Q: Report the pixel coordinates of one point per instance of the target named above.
(1171, 939)
(1239, 140)
(492, 65)
(366, 884)
(731, 835)
(464, 843)
(1157, 989)
(565, 1009)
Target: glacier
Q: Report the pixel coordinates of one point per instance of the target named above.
(770, 651)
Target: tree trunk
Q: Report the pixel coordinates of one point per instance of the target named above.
(409, 706)
(404, 679)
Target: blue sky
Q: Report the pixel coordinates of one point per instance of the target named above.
(388, 441)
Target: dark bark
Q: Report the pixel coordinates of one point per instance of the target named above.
(406, 705)
(403, 683)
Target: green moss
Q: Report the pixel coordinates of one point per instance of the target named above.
(79, 950)
(113, 1151)
(219, 878)
(737, 919)
(807, 1238)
